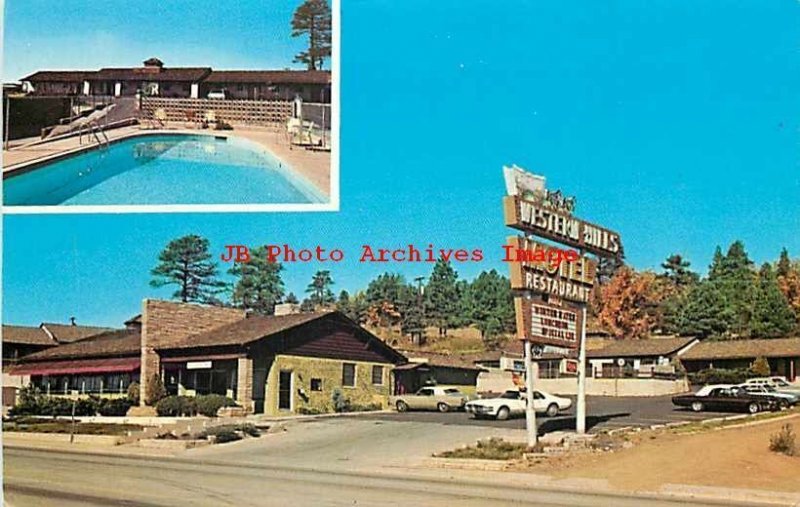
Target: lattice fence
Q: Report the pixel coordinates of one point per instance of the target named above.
(241, 112)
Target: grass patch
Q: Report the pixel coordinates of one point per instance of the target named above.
(29, 425)
(696, 427)
(494, 448)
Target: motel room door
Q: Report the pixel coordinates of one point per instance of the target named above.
(285, 390)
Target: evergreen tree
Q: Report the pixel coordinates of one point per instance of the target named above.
(291, 298)
(320, 289)
(772, 315)
(493, 310)
(343, 304)
(186, 262)
(715, 268)
(465, 305)
(313, 18)
(259, 286)
(784, 266)
(385, 297)
(706, 312)
(734, 277)
(441, 297)
(676, 270)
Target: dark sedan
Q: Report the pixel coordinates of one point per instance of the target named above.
(725, 399)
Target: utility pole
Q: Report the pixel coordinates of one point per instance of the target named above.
(580, 414)
(530, 411)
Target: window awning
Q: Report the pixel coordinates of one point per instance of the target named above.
(108, 365)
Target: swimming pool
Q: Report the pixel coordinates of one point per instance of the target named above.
(163, 169)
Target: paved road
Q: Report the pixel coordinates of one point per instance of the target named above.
(45, 478)
(603, 412)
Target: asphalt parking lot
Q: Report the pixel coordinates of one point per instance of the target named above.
(603, 412)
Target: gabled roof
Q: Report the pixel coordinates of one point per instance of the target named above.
(69, 76)
(270, 76)
(244, 331)
(462, 361)
(193, 74)
(744, 349)
(68, 333)
(642, 348)
(121, 342)
(27, 335)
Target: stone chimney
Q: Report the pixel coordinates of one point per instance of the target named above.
(286, 309)
(164, 322)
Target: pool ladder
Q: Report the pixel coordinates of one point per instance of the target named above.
(92, 129)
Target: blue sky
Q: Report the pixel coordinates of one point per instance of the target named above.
(674, 123)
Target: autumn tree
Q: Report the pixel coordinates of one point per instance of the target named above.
(259, 286)
(628, 303)
(186, 263)
(313, 19)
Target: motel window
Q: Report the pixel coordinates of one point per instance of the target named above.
(377, 375)
(348, 374)
(316, 384)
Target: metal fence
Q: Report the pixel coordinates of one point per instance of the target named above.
(243, 112)
(320, 116)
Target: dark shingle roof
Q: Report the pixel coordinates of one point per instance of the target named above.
(636, 348)
(67, 333)
(244, 331)
(121, 342)
(270, 76)
(744, 349)
(193, 74)
(58, 75)
(25, 335)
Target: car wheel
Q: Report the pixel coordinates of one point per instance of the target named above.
(402, 406)
(443, 407)
(753, 408)
(697, 406)
(503, 413)
(552, 410)
(783, 404)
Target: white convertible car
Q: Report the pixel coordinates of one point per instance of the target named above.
(513, 403)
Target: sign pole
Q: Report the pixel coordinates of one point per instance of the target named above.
(580, 416)
(530, 412)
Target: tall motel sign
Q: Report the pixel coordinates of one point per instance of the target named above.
(550, 301)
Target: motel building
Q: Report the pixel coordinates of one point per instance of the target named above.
(271, 365)
(153, 78)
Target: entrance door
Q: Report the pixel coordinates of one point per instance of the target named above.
(285, 390)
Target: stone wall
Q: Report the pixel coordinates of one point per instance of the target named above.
(164, 322)
(329, 371)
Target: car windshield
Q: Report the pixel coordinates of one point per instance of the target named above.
(510, 395)
(782, 383)
(452, 392)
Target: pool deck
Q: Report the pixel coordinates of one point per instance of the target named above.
(315, 166)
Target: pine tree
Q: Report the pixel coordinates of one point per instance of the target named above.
(734, 276)
(441, 297)
(493, 310)
(772, 315)
(313, 18)
(320, 289)
(385, 296)
(706, 312)
(259, 286)
(186, 262)
(784, 266)
(676, 270)
(291, 299)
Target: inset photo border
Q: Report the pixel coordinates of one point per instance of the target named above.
(154, 121)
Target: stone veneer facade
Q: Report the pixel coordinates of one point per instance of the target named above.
(164, 322)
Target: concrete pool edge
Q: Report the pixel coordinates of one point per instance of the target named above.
(316, 179)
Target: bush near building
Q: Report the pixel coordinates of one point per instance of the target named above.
(33, 402)
(188, 406)
(784, 441)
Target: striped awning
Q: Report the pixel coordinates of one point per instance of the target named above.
(107, 365)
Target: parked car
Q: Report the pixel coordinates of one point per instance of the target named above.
(217, 94)
(785, 400)
(513, 403)
(725, 398)
(779, 383)
(443, 399)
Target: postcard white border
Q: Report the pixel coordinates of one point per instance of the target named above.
(332, 205)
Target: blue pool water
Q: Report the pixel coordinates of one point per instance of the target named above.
(163, 169)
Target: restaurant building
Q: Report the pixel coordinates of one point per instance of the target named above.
(295, 363)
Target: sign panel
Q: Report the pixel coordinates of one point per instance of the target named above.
(198, 365)
(572, 281)
(547, 324)
(558, 225)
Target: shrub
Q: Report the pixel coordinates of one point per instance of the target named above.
(176, 406)
(309, 411)
(209, 404)
(784, 441)
(720, 376)
(365, 408)
(340, 403)
(133, 393)
(115, 407)
(154, 390)
(760, 367)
